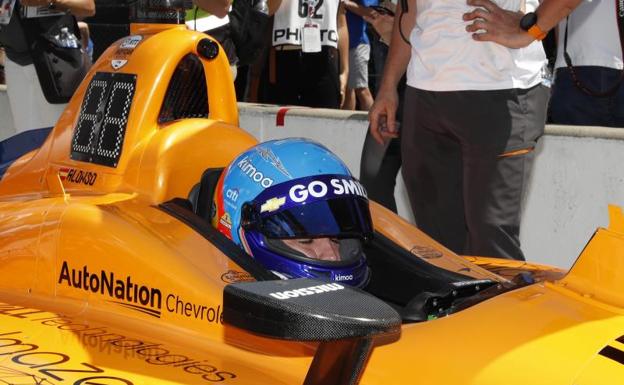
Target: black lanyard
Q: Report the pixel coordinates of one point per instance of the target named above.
(619, 15)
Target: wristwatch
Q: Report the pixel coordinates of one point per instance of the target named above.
(529, 24)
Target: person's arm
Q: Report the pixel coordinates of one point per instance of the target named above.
(219, 8)
(387, 99)
(383, 25)
(343, 51)
(82, 8)
(359, 9)
(503, 26)
(274, 6)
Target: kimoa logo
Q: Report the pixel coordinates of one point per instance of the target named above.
(250, 170)
(124, 292)
(312, 290)
(340, 277)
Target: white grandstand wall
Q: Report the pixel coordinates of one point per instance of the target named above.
(578, 172)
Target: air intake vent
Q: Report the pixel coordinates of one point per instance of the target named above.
(187, 96)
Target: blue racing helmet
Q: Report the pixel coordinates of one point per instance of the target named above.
(295, 207)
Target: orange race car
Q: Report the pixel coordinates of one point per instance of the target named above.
(111, 273)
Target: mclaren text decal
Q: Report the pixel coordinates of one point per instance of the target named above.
(307, 291)
(74, 175)
(59, 366)
(124, 291)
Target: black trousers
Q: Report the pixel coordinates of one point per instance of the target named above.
(306, 79)
(467, 156)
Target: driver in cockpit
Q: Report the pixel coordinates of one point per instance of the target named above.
(294, 206)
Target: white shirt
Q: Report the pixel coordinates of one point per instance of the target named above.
(593, 36)
(446, 58)
(291, 16)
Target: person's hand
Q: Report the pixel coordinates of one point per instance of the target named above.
(382, 24)
(381, 116)
(498, 25)
(370, 13)
(343, 87)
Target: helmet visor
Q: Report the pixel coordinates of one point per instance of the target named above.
(345, 217)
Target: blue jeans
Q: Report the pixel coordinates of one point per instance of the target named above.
(570, 105)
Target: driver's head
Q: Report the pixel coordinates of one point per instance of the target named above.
(293, 205)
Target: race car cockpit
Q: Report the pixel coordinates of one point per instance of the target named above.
(227, 205)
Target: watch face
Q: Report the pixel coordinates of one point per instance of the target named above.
(528, 20)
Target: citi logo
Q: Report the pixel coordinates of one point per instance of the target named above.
(232, 194)
(312, 290)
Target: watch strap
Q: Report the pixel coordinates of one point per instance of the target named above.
(536, 32)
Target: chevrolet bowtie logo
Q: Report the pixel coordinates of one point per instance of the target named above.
(272, 204)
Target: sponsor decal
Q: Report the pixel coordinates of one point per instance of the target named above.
(48, 364)
(252, 172)
(272, 204)
(270, 157)
(613, 353)
(77, 176)
(340, 277)
(426, 252)
(126, 292)
(318, 189)
(118, 63)
(232, 276)
(94, 337)
(126, 47)
(287, 33)
(232, 194)
(226, 221)
(175, 304)
(130, 42)
(304, 291)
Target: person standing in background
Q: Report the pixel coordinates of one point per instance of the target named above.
(37, 101)
(214, 20)
(473, 114)
(358, 92)
(589, 70)
(308, 63)
(381, 162)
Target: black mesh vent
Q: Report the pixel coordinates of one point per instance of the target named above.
(187, 96)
